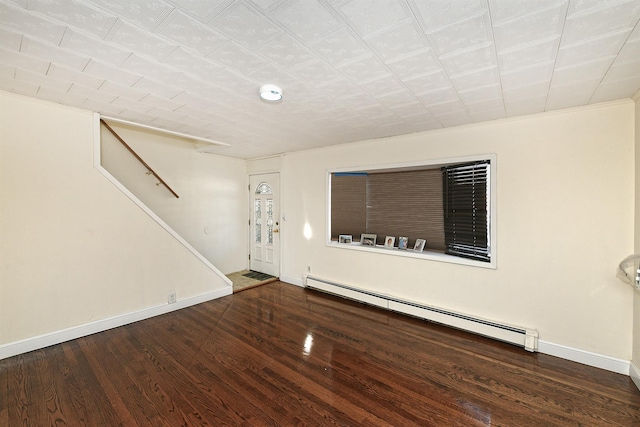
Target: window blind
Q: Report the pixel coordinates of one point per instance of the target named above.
(348, 205)
(466, 220)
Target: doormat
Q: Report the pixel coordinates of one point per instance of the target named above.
(243, 280)
(257, 275)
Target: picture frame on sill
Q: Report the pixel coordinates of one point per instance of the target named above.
(345, 238)
(403, 242)
(368, 239)
(419, 246)
(389, 241)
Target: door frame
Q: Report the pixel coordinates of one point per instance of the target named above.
(249, 218)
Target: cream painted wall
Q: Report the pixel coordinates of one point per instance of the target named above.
(564, 213)
(73, 248)
(636, 297)
(210, 213)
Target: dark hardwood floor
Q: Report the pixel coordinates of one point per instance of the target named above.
(282, 355)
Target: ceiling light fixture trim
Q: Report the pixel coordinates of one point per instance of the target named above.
(270, 93)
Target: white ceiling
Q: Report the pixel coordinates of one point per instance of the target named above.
(350, 69)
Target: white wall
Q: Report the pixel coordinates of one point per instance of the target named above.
(635, 362)
(73, 248)
(210, 213)
(564, 213)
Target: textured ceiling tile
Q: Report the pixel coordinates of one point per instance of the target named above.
(595, 69)
(141, 42)
(52, 94)
(122, 91)
(339, 47)
(612, 90)
(469, 60)
(462, 35)
(83, 79)
(245, 26)
(191, 33)
(317, 73)
(440, 13)
(149, 68)
(272, 74)
(486, 115)
(156, 88)
(266, 4)
(307, 20)
(546, 24)
(477, 79)
(571, 95)
(543, 51)
(524, 106)
(588, 50)
(91, 94)
(9, 39)
(161, 102)
(383, 85)
(236, 82)
(364, 69)
(191, 64)
(370, 16)
(203, 10)
(29, 23)
(594, 22)
(514, 9)
(22, 88)
(53, 53)
(483, 94)
(399, 41)
(339, 89)
(286, 52)
(415, 65)
(630, 52)
(237, 58)
(477, 107)
(454, 118)
(624, 71)
(447, 95)
(431, 81)
(78, 15)
(148, 14)
(532, 91)
(94, 48)
(19, 60)
(398, 98)
(43, 80)
(526, 76)
(108, 72)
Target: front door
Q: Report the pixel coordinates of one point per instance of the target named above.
(264, 223)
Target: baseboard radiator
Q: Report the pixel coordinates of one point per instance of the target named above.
(524, 337)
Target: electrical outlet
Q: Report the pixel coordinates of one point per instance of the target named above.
(172, 298)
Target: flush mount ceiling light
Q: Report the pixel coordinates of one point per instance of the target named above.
(271, 93)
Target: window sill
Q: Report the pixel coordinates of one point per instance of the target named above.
(410, 253)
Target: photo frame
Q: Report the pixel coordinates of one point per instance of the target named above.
(389, 241)
(419, 246)
(368, 239)
(345, 238)
(403, 242)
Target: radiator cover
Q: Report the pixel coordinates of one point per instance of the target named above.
(521, 336)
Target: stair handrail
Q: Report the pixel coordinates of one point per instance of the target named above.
(149, 168)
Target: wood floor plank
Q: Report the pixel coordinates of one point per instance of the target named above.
(279, 355)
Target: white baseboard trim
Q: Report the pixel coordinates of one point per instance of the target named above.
(292, 281)
(634, 373)
(57, 337)
(596, 360)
